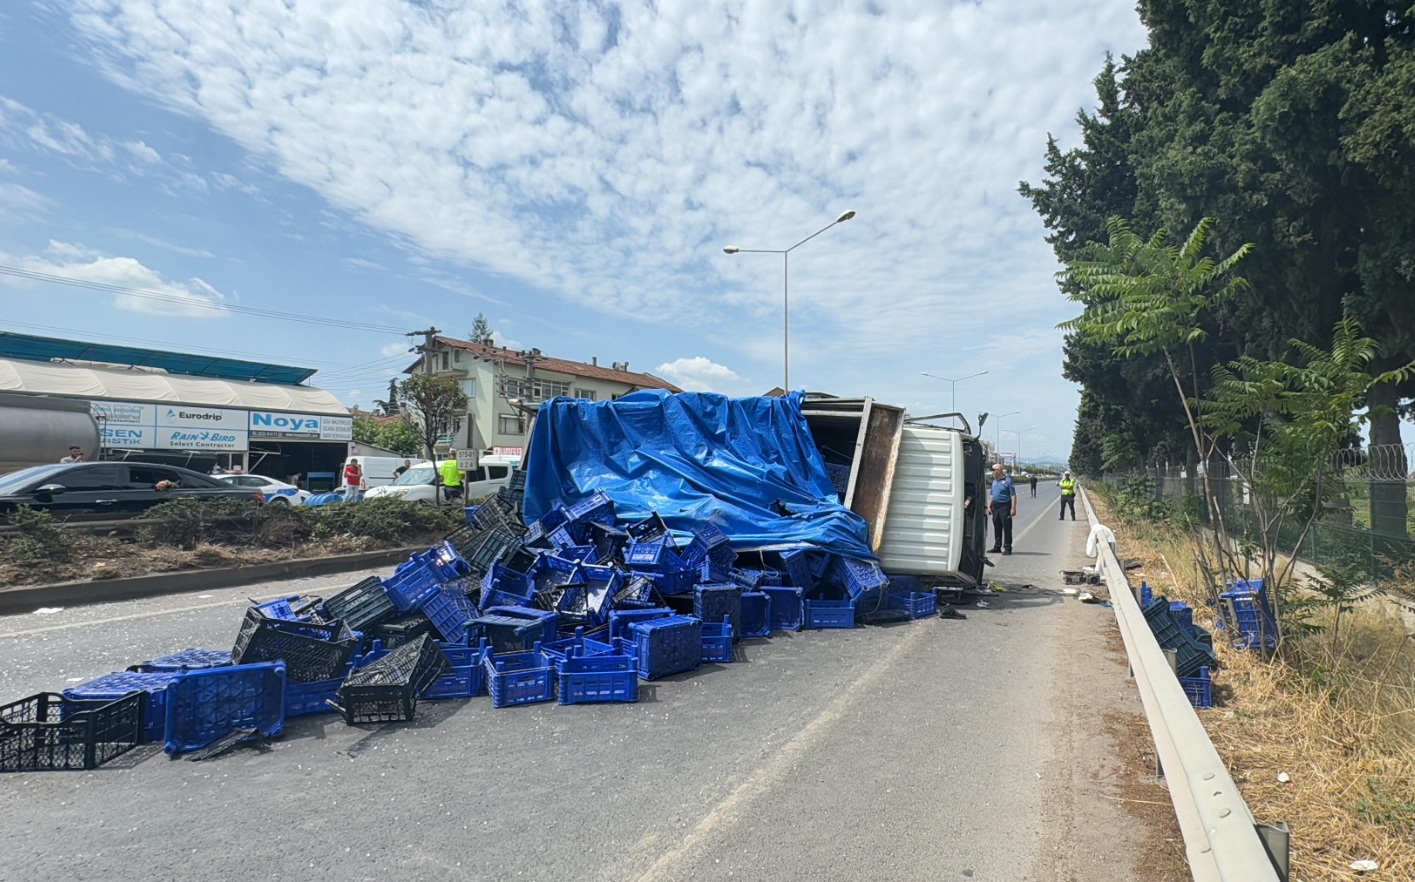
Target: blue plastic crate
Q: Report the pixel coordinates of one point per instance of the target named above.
(830, 614)
(607, 540)
(653, 556)
(302, 699)
(597, 679)
(547, 620)
(917, 604)
(1182, 614)
(203, 706)
(450, 611)
(787, 609)
(410, 585)
(797, 564)
(553, 571)
(820, 562)
(471, 512)
(462, 681)
(621, 620)
(756, 614)
(752, 579)
(187, 659)
(576, 644)
(859, 578)
(1247, 614)
(282, 608)
(902, 583)
(503, 579)
(597, 507)
(568, 535)
(717, 641)
(116, 685)
(506, 633)
(714, 603)
(1200, 689)
(1145, 594)
(667, 646)
(516, 678)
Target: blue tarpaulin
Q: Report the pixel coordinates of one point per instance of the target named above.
(748, 466)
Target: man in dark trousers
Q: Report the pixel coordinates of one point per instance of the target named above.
(1002, 505)
(1034, 486)
(1068, 496)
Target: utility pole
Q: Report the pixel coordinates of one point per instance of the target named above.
(426, 348)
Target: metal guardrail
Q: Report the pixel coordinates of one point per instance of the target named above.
(1222, 842)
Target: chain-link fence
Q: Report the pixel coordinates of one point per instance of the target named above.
(1367, 523)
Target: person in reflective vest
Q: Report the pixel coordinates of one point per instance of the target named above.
(451, 476)
(1068, 497)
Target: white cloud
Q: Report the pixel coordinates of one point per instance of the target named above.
(145, 289)
(20, 202)
(361, 263)
(697, 374)
(388, 350)
(606, 154)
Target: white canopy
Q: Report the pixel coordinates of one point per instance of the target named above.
(139, 385)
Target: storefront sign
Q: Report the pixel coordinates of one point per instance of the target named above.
(300, 427)
(115, 413)
(176, 416)
(201, 439)
(508, 451)
(127, 437)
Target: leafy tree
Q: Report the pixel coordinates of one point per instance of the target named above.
(481, 331)
(400, 436)
(1294, 416)
(389, 405)
(366, 429)
(436, 406)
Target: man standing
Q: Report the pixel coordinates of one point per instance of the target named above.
(407, 464)
(1034, 486)
(1002, 505)
(451, 476)
(76, 454)
(353, 481)
(1068, 497)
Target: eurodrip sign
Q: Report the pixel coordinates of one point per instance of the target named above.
(133, 426)
(300, 427)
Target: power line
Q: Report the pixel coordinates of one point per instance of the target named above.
(197, 302)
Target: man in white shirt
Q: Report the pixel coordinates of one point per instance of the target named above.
(76, 454)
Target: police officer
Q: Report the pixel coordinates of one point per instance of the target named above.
(1002, 505)
(1068, 497)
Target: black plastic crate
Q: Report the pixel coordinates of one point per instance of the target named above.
(307, 658)
(50, 733)
(647, 530)
(362, 606)
(402, 629)
(387, 690)
(497, 515)
(488, 548)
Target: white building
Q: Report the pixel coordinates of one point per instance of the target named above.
(503, 387)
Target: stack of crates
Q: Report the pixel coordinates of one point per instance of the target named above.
(1247, 615)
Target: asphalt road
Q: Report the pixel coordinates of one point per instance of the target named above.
(929, 750)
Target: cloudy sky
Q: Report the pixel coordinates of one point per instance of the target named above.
(572, 170)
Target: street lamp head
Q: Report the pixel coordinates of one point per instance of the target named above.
(731, 249)
(845, 216)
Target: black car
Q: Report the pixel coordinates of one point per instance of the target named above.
(116, 488)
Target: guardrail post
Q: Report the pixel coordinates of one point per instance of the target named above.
(1276, 839)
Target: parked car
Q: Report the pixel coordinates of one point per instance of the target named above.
(116, 488)
(272, 491)
(419, 483)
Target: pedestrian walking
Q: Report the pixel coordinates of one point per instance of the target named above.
(1068, 497)
(1034, 486)
(1002, 505)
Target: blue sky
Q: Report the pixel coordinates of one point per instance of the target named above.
(571, 170)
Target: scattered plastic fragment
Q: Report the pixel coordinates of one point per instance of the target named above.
(1365, 866)
(1283, 777)
(48, 610)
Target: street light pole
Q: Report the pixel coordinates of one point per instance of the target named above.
(786, 290)
(999, 427)
(953, 386)
(1017, 457)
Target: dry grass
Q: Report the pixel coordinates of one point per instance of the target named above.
(1337, 717)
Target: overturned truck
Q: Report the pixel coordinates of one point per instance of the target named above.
(854, 478)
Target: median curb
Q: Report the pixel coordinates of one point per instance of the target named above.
(31, 597)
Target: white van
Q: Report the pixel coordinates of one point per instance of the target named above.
(419, 483)
(377, 470)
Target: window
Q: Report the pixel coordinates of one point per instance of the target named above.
(497, 473)
(469, 388)
(513, 387)
(84, 480)
(510, 424)
(586, 393)
(550, 389)
(456, 355)
(475, 475)
(146, 477)
(446, 361)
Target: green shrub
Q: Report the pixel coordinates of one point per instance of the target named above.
(37, 540)
(391, 520)
(187, 522)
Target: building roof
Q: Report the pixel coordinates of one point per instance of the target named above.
(119, 384)
(47, 349)
(558, 365)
